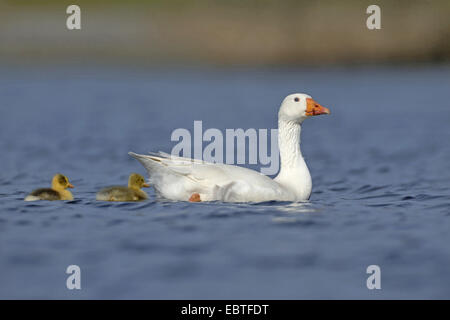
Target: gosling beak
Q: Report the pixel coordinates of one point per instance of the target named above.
(70, 186)
(145, 185)
(314, 109)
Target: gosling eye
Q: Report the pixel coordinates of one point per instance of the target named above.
(296, 99)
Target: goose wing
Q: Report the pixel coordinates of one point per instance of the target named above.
(178, 178)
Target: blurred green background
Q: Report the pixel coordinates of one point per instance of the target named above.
(263, 32)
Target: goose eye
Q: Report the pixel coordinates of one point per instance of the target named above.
(297, 99)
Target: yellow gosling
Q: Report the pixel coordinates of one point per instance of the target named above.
(131, 193)
(58, 191)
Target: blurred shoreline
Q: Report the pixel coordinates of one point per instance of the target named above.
(252, 33)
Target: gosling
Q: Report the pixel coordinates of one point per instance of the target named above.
(57, 192)
(131, 193)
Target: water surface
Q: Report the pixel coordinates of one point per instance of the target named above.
(380, 165)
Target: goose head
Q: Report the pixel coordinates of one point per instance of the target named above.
(60, 182)
(136, 181)
(299, 106)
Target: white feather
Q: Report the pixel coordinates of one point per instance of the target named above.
(178, 178)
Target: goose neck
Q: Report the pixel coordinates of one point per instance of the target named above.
(289, 143)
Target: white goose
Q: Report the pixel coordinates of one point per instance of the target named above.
(185, 179)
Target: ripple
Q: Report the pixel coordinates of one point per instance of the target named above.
(265, 262)
(383, 170)
(115, 222)
(369, 188)
(75, 201)
(139, 247)
(341, 189)
(380, 196)
(427, 197)
(296, 221)
(380, 205)
(23, 222)
(445, 205)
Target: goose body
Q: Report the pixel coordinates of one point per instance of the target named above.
(124, 194)
(58, 191)
(185, 179)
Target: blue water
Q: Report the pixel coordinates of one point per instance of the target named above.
(380, 165)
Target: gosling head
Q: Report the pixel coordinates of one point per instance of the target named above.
(60, 182)
(137, 181)
(299, 106)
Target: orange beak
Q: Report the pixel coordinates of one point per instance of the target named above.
(314, 109)
(145, 185)
(70, 185)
